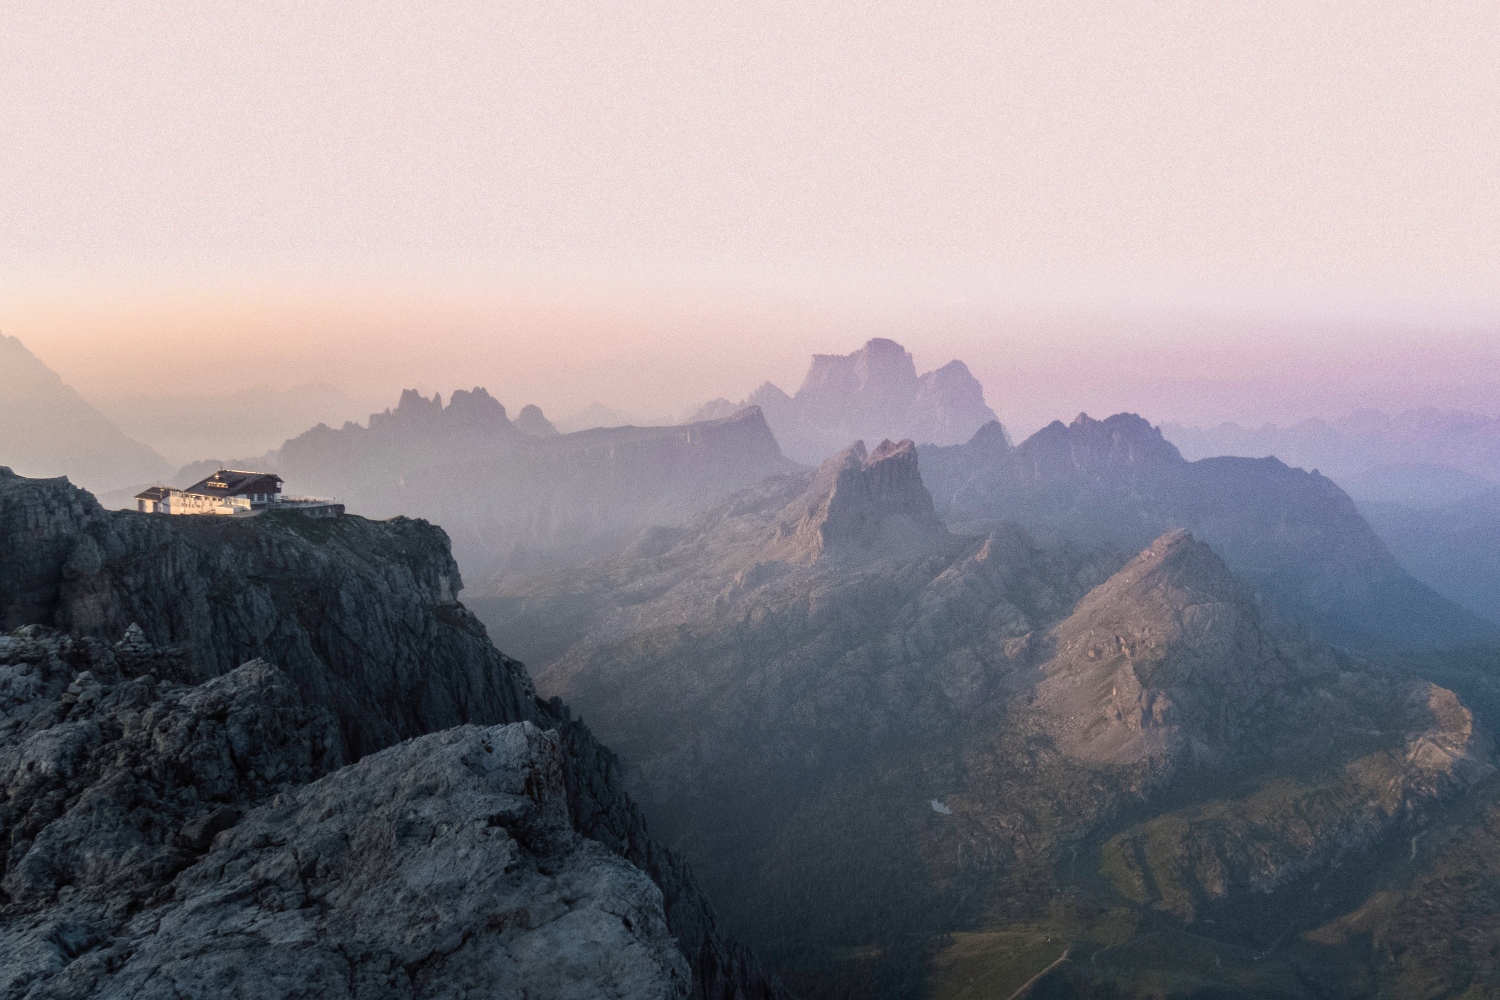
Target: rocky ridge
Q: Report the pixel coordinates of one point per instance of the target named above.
(359, 618)
(1293, 536)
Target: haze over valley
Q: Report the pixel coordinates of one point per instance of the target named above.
(750, 502)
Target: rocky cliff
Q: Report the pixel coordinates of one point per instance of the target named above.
(359, 618)
(862, 502)
(1294, 536)
(188, 839)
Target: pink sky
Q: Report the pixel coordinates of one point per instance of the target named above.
(1193, 210)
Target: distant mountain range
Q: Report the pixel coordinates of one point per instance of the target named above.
(1293, 535)
(1442, 524)
(1427, 480)
(869, 395)
(875, 737)
(1468, 442)
(47, 429)
(516, 496)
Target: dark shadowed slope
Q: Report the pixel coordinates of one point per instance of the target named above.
(358, 618)
(516, 500)
(46, 429)
(871, 394)
(1293, 535)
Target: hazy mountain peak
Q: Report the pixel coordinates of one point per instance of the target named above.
(531, 421)
(47, 429)
(768, 392)
(22, 374)
(1086, 443)
(992, 437)
(476, 409)
(874, 384)
(870, 394)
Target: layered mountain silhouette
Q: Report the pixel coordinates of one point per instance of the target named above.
(1293, 535)
(47, 429)
(1443, 525)
(871, 394)
(868, 738)
(514, 497)
(1359, 442)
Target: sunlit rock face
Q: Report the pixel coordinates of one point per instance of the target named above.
(862, 502)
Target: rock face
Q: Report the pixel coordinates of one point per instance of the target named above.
(871, 394)
(356, 612)
(1156, 668)
(1294, 536)
(861, 502)
(516, 500)
(47, 429)
(167, 838)
(443, 864)
(358, 617)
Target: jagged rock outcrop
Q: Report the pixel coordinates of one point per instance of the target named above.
(860, 502)
(47, 429)
(515, 501)
(1294, 536)
(170, 838)
(359, 618)
(871, 394)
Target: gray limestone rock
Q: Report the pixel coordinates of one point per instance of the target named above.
(171, 839)
(443, 866)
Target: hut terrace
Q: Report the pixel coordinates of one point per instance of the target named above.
(231, 492)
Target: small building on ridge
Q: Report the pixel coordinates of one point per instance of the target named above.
(233, 492)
